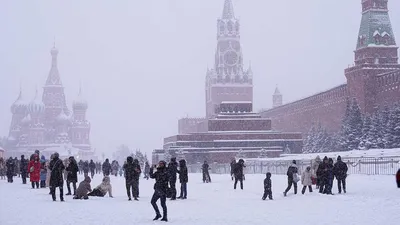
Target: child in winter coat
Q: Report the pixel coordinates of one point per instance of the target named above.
(43, 172)
(267, 187)
(306, 180)
(83, 189)
(103, 188)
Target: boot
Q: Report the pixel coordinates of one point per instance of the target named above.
(164, 219)
(158, 216)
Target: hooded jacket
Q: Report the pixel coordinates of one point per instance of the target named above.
(183, 172)
(105, 186)
(172, 169)
(292, 170)
(84, 188)
(72, 170)
(23, 165)
(34, 169)
(132, 169)
(161, 177)
(57, 169)
(340, 169)
(306, 177)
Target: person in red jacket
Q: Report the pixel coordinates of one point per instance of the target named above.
(34, 171)
(398, 178)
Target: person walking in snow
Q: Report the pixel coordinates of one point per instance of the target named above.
(205, 170)
(173, 170)
(16, 167)
(132, 173)
(56, 180)
(147, 170)
(10, 164)
(267, 187)
(34, 171)
(102, 189)
(85, 168)
(43, 172)
(2, 169)
(238, 173)
(23, 168)
(83, 189)
(322, 173)
(72, 175)
(183, 178)
(92, 167)
(315, 165)
(106, 168)
(160, 189)
(340, 171)
(398, 178)
(331, 176)
(306, 180)
(233, 163)
(292, 178)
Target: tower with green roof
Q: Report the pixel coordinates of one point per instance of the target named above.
(375, 54)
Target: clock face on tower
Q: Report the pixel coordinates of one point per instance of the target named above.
(231, 58)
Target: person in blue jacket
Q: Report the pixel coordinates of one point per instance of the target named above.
(43, 172)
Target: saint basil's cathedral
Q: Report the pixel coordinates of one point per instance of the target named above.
(47, 124)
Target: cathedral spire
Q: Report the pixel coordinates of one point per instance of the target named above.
(54, 77)
(228, 12)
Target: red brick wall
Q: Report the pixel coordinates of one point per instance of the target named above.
(388, 88)
(327, 108)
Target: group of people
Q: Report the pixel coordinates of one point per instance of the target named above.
(321, 173)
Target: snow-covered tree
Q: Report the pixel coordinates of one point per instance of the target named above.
(351, 132)
(392, 136)
(263, 153)
(240, 154)
(318, 140)
(180, 155)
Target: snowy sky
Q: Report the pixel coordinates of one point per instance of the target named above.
(142, 64)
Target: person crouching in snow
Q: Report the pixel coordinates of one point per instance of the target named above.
(306, 180)
(83, 189)
(103, 188)
(267, 187)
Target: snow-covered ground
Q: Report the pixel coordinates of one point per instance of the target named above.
(371, 200)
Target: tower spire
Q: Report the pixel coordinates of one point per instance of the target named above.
(375, 32)
(228, 12)
(54, 77)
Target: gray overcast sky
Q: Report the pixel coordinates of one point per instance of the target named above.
(143, 63)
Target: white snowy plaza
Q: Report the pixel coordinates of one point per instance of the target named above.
(370, 200)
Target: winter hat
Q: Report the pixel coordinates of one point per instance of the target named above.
(56, 155)
(268, 175)
(339, 158)
(22, 156)
(330, 160)
(308, 168)
(162, 162)
(325, 158)
(129, 159)
(294, 161)
(173, 159)
(87, 179)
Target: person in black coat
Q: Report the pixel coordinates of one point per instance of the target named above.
(183, 178)
(173, 170)
(92, 167)
(10, 164)
(147, 170)
(292, 178)
(233, 163)
(206, 175)
(267, 187)
(85, 168)
(56, 179)
(322, 173)
(72, 175)
(160, 189)
(398, 178)
(23, 167)
(340, 171)
(238, 172)
(132, 174)
(106, 168)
